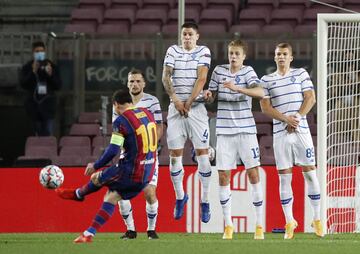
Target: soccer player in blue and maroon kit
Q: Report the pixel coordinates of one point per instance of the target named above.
(135, 131)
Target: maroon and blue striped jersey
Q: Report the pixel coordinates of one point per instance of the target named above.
(138, 127)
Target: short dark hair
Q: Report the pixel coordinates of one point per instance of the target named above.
(122, 96)
(285, 45)
(38, 44)
(136, 71)
(190, 25)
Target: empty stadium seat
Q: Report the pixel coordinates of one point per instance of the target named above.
(74, 141)
(97, 4)
(114, 29)
(102, 141)
(216, 16)
(145, 29)
(67, 161)
(258, 16)
(261, 118)
(79, 129)
(292, 17)
(305, 30)
(158, 4)
(119, 16)
(332, 2)
(75, 150)
(90, 117)
(298, 4)
(247, 30)
(191, 15)
(194, 4)
(151, 16)
(263, 4)
(40, 151)
(126, 4)
(49, 141)
(98, 151)
(80, 28)
(87, 16)
(310, 15)
(212, 29)
(170, 30)
(221, 4)
(264, 129)
(282, 30)
(266, 142)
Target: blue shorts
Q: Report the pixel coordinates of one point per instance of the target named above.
(117, 179)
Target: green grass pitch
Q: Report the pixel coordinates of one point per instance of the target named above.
(171, 243)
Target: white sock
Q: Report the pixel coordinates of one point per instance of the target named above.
(257, 196)
(177, 175)
(204, 171)
(286, 196)
(225, 201)
(125, 210)
(313, 189)
(152, 212)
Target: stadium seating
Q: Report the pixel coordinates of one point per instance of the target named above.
(87, 16)
(89, 117)
(292, 17)
(80, 28)
(216, 16)
(96, 4)
(191, 15)
(151, 16)
(126, 4)
(79, 129)
(159, 4)
(119, 16)
(74, 141)
(32, 141)
(253, 16)
(246, 30)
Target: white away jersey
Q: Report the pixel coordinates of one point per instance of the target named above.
(149, 102)
(185, 64)
(286, 95)
(234, 109)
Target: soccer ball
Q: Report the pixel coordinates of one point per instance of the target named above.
(51, 177)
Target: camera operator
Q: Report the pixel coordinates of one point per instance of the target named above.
(41, 78)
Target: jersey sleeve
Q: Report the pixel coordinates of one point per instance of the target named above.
(205, 57)
(251, 77)
(214, 81)
(155, 109)
(306, 83)
(265, 86)
(169, 59)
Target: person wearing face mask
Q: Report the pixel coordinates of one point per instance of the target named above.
(40, 77)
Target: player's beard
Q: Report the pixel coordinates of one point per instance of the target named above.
(136, 93)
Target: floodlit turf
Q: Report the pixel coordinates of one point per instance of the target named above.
(179, 243)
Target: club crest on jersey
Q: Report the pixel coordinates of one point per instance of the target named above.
(293, 79)
(193, 56)
(237, 79)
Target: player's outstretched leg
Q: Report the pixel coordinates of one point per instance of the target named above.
(79, 193)
(103, 215)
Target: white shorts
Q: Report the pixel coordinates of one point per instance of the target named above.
(231, 147)
(294, 149)
(154, 179)
(195, 127)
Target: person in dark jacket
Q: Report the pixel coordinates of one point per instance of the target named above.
(40, 77)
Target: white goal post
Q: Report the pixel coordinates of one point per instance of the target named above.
(338, 120)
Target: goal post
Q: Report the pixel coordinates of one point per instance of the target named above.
(338, 120)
